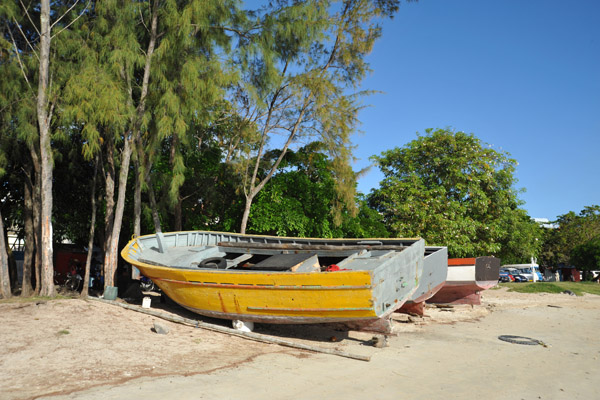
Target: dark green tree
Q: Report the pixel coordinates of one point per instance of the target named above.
(300, 201)
(452, 190)
(523, 238)
(574, 240)
(586, 256)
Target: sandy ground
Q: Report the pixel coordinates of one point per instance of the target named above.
(85, 349)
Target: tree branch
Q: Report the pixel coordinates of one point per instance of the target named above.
(29, 17)
(224, 28)
(25, 37)
(143, 22)
(19, 59)
(66, 12)
(72, 22)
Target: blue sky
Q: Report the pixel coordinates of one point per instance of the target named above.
(521, 75)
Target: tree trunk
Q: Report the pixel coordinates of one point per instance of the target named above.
(137, 200)
(153, 206)
(110, 192)
(111, 258)
(37, 234)
(44, 114)
(88, 261)
(175, 207)
(178, 217)
(26, 288)
(36, 208)
(5, 291)
(246, 214)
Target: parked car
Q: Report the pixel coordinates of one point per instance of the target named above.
(506, 276)
(520, 278)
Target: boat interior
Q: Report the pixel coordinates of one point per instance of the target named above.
(271, 257)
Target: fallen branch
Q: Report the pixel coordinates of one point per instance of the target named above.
(230, 331)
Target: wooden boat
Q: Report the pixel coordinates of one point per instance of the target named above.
(467, 277)
(357, 282)
(433, 278)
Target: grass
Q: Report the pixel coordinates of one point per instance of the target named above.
(579, 288)
(62, 332)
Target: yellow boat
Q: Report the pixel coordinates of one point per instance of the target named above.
(266, 279)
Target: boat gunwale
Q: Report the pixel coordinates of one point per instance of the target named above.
(275, 238)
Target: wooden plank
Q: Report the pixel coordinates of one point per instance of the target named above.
(284, 262)
(237, 260)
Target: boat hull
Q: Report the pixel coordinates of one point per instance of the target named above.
(364, 291)
(467, 278)
(433, 277)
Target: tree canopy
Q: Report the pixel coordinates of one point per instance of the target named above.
(302, 201)
(575, 240)
(451, 189)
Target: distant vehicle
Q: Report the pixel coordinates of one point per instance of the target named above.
(520, 278)
(506, 275)
(526, 271)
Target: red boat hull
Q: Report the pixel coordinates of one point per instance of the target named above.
(468, 293)
(467, 278)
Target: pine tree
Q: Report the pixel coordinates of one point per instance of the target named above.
(32, 29)
(301, 66)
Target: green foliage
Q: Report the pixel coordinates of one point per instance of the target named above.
(299, 201)
(523, 238)
(574, 241)
(71, 200)
(2, 164)
(188, 77)
(452, 190)
(208, 198)
(367, 223)
(587, 255)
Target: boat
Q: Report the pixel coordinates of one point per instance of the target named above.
(433, 278)
(267, 279)
(467, 278)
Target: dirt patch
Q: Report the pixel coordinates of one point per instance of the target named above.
(63, 346)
